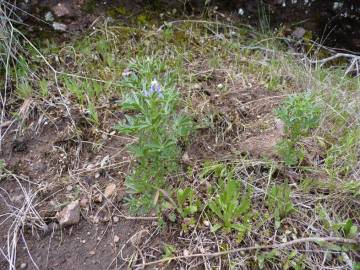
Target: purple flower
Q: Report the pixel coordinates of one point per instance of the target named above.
(154, 88)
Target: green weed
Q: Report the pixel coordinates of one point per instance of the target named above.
(44, 87)
(230, 205)
(187, 202)
(348, 229)
(24, 90)
(169, 251)
(267, 257)
(279, 203)
(300, 114)
(75, 89)
(342, 157)
(93, 116)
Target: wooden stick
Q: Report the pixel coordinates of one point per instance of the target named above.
(276, 246)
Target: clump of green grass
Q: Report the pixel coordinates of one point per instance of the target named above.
(279, 203)
(342, 157)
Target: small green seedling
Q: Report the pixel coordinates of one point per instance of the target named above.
(169, 251)
(279, 203)
(24, 90)
(229, 206)
(347, 229)
(93, 115)
(44, 87)
(267, 257)
(75, 89)
(187, 203)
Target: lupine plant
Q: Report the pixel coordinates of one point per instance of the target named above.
(152, 116)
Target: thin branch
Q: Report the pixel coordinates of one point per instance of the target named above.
(276, 246)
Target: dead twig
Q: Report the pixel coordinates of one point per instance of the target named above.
(276, 246)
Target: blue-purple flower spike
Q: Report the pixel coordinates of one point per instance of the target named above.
(154, 88)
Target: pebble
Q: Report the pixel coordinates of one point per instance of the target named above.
(59, 26)
(84, 202)
(116, 219)
(110, 190)
(70, 215)
(23, 266)
(116, 239)
(98, 198)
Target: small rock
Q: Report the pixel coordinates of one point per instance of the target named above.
(97, 175)
(49, 17)
(298, 33)
(110, 190)
(92, 252)
(98, 198)
(84, 202)
(206, 223)
(23, 266)
(69, 188)
(70, 215)
(116, 219)
(185, 158)
(116, 239)
(60, 10)
(96, 219)
(59, 26)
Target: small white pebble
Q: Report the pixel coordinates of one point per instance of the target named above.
(241, 12)
(116, 219)
(116, 239)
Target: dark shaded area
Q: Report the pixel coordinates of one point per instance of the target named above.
(334, 23)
